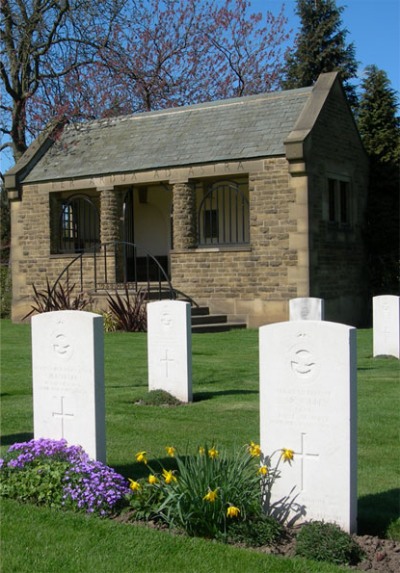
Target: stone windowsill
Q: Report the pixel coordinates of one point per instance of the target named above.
(213, 249)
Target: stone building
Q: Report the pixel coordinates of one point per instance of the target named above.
(245, 204)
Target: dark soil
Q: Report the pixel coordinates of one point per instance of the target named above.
(381, 555)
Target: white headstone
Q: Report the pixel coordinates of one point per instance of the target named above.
(386, 325)
(308, 405)
(306, 308)
(68, 379)
(169, 348)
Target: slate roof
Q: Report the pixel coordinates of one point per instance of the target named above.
(234, 129)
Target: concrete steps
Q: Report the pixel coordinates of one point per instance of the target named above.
(203, 321)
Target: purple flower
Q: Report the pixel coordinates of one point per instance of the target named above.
(87, 484)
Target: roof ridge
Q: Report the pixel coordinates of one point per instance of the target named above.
(230, 102)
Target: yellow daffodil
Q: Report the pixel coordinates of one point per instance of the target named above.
(141, 457)
(152, 479)
(213, 453)
(169, 476)
(134, 485)
(287, 455)
(254, 449)
(170, 451)
(232, 511)
(263, 470)
(211, 496)
(202, 451)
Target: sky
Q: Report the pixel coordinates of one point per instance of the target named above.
(373, 27)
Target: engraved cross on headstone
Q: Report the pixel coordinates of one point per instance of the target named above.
(303, 455)
(386, 318)
(62, 415)
(166, 360)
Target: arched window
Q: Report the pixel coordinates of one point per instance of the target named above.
(79, 225)
(223, 215)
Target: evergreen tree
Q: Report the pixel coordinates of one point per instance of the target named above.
(377, 117)
(320, 47)
(380, 130)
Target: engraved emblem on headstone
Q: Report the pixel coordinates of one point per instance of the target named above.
(62, 346)
(302, 363)
(166, 319)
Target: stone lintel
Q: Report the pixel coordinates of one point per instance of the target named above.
(297, 168)
(14, 195)
(169, 176)
(10, 182)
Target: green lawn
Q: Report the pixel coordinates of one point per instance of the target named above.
(225, 410)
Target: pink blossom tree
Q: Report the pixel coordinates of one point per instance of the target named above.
(82, 60)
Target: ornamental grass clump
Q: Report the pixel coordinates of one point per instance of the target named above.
(49, 472)
(207, 492)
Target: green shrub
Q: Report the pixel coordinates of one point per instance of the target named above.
(327, 542)
(255, 531)
(40, 483)
(159, 398)
(5, 291)
(393, 530)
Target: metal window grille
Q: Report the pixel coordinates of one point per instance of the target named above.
(79, 225)
(223, 216)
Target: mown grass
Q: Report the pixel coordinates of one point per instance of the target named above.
(36, 539)
(225, 410)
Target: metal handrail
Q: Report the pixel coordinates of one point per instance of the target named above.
(66, 271)
(100, 252)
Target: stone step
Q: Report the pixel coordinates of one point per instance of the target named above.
(200, 310)
(203, 321)
(217, 327)
(209, 319)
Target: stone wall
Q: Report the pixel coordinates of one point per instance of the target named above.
(338, 269)
(249, 282)
(31, 261)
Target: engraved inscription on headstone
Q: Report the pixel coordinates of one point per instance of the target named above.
(169, 348)
(308, 405)
(68, 379)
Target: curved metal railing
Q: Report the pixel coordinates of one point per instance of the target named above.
(144, 272)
